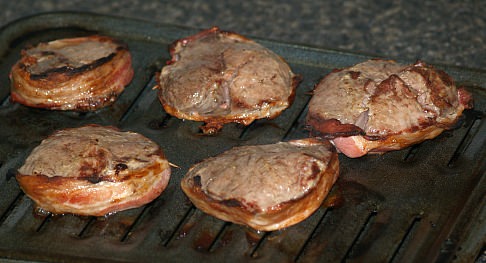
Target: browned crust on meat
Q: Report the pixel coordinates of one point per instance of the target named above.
(278, 217)
(98, 83)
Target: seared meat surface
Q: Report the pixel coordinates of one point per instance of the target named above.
(94, 170)
(266, 187)
(219, 77)
(83, 74)
(379, 105)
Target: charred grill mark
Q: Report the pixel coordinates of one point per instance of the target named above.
(354, 74)
(93, 179)
(88, 170)
(231, 203)
(120, 167)
(240, 104)
(388, 85)
(315, 171)
(92, 167)
(47, 53)
(70, 71)
(197, 181)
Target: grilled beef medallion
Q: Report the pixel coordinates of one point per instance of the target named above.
(379, 105)
(266, 187)
(94, 170)
(82, 74)
(220, 77)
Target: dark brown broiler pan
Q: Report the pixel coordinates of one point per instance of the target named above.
(422, 204)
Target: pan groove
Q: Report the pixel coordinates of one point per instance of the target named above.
(467, 138)
(411, 153)
(45, 221)
(299, 255)
(10, 174)
(296, 125)
(408, 236)
(136, 222)
(369, 220)
(136, 101)
(179, 226)
(259, 244)
(86, 227)
(5, 101)
(246, 130)
(11, 207)
(218, 237)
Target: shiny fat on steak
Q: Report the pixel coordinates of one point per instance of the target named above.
(94, 170)
(82, 74)
(266, 187)
(380, 105)
(220, 77)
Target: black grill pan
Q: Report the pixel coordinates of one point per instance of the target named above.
(422, 204)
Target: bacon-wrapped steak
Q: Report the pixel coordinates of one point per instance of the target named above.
(266, 187)
(379, 105)
(82, 74)
(220, 77)
(94, 170)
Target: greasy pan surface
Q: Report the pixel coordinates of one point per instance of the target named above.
(421, 204)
